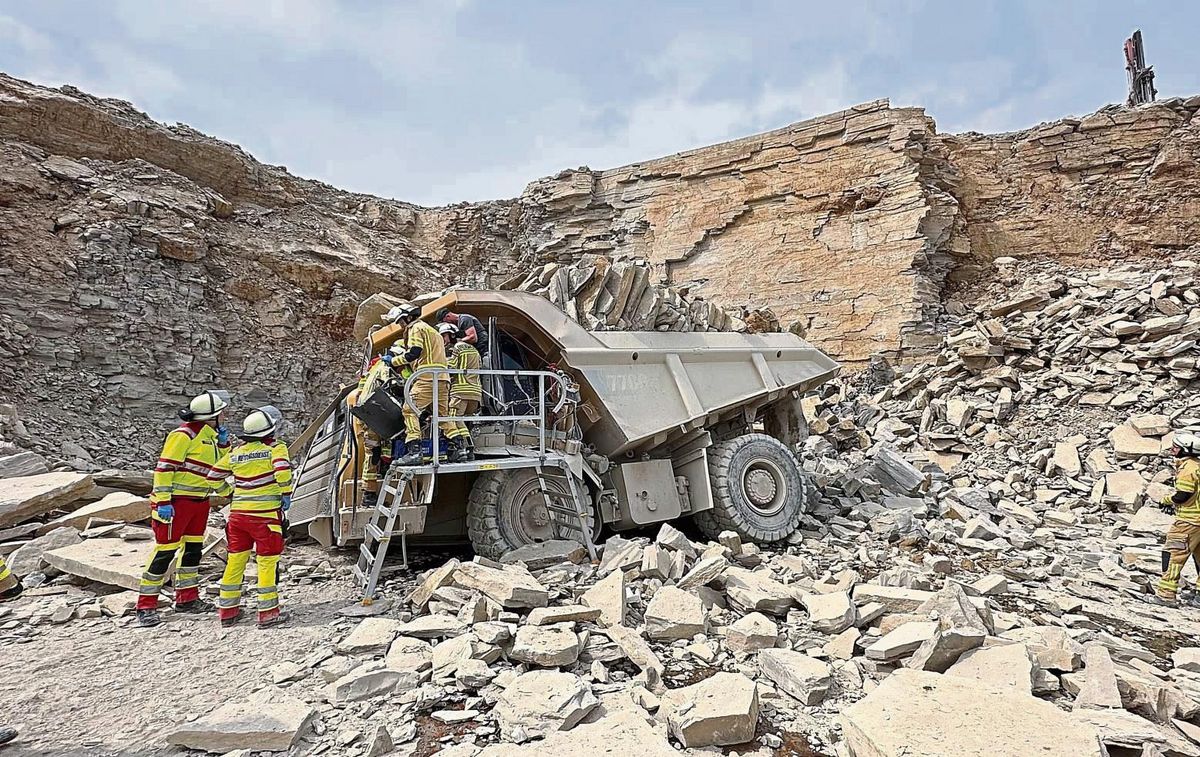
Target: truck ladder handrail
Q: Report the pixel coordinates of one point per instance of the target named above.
(435, 372)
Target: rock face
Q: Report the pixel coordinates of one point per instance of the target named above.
(268, 721)
(912, 712)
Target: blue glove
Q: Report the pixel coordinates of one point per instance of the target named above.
(222, 435)
(286, 502)
(387, 358)
(165, 513)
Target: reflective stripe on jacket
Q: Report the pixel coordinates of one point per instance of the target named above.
(262, 474)
(464, 357)
(1187, 479)
(186, 467)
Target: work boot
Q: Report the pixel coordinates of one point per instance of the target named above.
(148, 618)
(412, 453)
(7, 734)
(10, 594)
(232, 620)
(455, 452)
(1163, 600)
(195, 607)
(275, 620)
(468, 445)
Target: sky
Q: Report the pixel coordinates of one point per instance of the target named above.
(436, 102)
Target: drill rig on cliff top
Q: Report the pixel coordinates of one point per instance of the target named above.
(579, 431)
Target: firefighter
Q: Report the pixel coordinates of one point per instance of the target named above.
(184, 479)
(262, 493)
(465, 390)
(10, 585)
(1183, 538)
(424, 349)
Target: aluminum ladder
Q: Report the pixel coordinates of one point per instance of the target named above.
(567, 504)
(377, 533)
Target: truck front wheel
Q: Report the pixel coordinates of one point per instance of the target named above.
(758, 491)
(506, 510)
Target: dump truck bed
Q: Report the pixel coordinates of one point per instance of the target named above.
(645, 388)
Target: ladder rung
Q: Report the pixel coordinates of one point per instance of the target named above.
(565, 510)
(377, 532)
(383, 510)
(570, 527)
(366, 553)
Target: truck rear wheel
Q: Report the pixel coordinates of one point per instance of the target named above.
(757, 488)
(506, 510)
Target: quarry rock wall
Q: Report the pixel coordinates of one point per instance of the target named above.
(141, 262)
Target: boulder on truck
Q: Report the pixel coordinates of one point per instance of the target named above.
(579, 431)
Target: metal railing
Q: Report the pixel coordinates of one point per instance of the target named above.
(567, 390)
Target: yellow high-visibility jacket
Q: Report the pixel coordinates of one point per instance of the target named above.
(433, 351)
(1187, 479)
(465, 357)
(262, 474)
(186, 466)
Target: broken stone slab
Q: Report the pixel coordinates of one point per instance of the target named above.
(895, 599)
(544, 616)
(703, 572)
(29, 557)
(920, 713)
(546, 646)
(436, 626)
(22, 463)
(674, 614)
(1149, 521)
(1151, 425)
(635, 648)
(1066, 459)
(407, 653)
(896, 474)
(608, 596)
(1098, 688)
(991, 585)
(1052, 647)
(718, 711)
(109, 561)
(1001, 666)
(117, 506)
(938, 653)
(371, 636)
(1126, 733)
(1187, 658)
(841, 647)
(953, 609)
(27, 497)
(757, 591)
(902, 641)
(448, 654)
(806, 679)
(829, 613)
(363, 682)
(473, 674)
(437, 578)
(751, 633)
(270, 720)
(139, 482)
(656, 562)
(541, 702)
(510, 588)
(673, 538)
(1126, 488)
(619, 554)
(546, 554)
(1128, 444)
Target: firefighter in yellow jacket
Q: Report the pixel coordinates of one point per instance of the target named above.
(262, 493)
(10, 585)
(1183, 538)
(424, 350)
(466, 390)
(184, 479)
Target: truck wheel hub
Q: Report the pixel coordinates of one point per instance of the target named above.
(760, 487)
(764, 487)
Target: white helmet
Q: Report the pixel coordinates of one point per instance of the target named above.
(405, 312)
(205, 407)
(448, 328)
(1189, 443)
(261, 423)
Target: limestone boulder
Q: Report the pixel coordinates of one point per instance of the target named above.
(1052, 647)
(1099, 688)
(436, 579)
(407, 653)
(829, 613)
(902, 641)
(437, 626)
(920, 713)
(512, 587)
(542, 702)
(608, 596)
(718, 711)
(674, 614)
(757, 591)
(372, 636)
(27, 497)
(29, 557)
(546, 554)
(705, 571)
(546, 646)
(116, 506)
(270, 720)
(1003, 666)
(109, 561)
(363, 682)
(22, 463)
(751, 633)
(795, 673)
(545, 616)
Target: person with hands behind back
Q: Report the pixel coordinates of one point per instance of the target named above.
(262, 495)
(184, 478)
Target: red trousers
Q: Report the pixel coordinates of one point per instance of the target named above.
(185, 530)
(265, 536)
